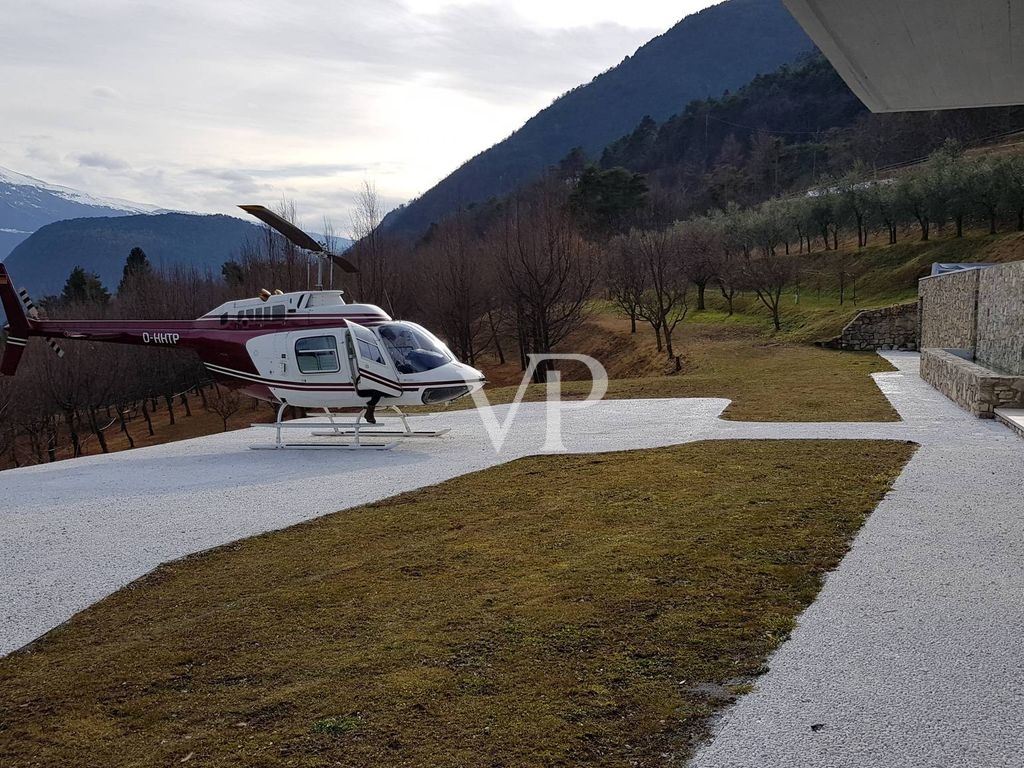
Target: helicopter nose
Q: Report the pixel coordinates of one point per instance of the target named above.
(470, 374)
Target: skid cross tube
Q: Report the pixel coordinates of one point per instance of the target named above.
(356, 430)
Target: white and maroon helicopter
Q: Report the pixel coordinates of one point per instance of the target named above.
(308, 349)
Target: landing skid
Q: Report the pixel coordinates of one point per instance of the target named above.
(350, 434)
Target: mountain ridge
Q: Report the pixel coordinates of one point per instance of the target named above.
(28, 203)
(717, 49)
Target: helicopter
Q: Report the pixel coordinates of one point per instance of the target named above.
(308, 349)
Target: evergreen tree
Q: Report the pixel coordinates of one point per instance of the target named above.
(608, 201)
(84, 288)
(233, 273)
(136, 265)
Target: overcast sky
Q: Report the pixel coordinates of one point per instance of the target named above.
(201, 104)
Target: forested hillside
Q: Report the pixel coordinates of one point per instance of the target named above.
(721, 47)
(783, 132)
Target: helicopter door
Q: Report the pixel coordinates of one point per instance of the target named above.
(370, 368)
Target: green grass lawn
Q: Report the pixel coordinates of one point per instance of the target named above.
(506, 618)
(767, 380)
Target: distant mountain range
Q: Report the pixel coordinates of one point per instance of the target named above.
(718, 49)
(26, 204)
(47, 230)
(43, 262)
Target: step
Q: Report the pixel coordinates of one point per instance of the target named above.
(1013, 418)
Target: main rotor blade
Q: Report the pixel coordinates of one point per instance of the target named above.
(285, 227)
(341, 261)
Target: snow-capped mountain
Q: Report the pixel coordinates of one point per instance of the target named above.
(26, 204)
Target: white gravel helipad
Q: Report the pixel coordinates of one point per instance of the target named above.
(911, 654)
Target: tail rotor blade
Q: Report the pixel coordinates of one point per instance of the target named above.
(30, 308)
(57, 349)
(33, 312)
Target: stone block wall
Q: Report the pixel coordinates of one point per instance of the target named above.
(1000, 334)
(949, 310)
(973, 387)
(886, 328)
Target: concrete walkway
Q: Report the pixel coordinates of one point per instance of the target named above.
(910, 656)
(913, 653)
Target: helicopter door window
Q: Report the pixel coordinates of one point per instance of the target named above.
(369, 351)
(317, 354)
(278, 310)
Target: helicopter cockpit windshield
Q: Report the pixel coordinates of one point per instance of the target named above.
(412, 348)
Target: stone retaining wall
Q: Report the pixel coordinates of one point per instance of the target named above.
(973, 387)
(886, 328)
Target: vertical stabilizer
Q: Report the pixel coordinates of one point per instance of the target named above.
(18, 328)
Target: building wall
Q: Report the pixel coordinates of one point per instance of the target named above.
(949, 310)
(1000, 334)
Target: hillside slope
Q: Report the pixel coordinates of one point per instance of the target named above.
(720, 48)
(43, 261)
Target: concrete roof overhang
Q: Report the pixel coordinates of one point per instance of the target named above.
(900, 55)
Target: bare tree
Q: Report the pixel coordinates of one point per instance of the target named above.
(8, 409)
(331, 244)
(730, 246)
(884, 203)
(626, 278)
(665, 301)
(547, 268)
(700, 241)
(766, 271)
(225, 402)
(368, 252)
(457, 286)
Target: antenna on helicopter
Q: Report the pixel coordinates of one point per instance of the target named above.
(302, 240)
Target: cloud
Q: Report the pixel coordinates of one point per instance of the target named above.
(310, 170)
(43, 154)
(199, 105)
(102, 160)
(105, 92)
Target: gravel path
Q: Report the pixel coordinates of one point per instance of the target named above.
(910, 656)
(912, 653)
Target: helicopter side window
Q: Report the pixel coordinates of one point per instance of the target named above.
(278, 310)
(317, 354)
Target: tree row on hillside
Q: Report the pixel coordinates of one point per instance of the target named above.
(781, 133)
